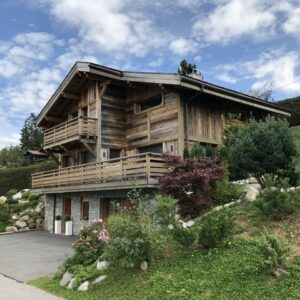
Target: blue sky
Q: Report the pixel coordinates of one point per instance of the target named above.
(243, 45)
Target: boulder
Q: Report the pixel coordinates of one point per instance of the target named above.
(99, 279)
(252, 194)
(39, 221)
(71, 284)
(83, 287)
(66, 279)
(102, 265)
(3, 199)
(11, 229)
(17, 196)
(21, 224)
(23, 201)
(190, 223)
(15, 217)
(144, 266)
(24, 229)
(39, 207)
(30, 221)
(24, 218)
(32, 225)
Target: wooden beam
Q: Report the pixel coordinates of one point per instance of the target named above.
(53, 119)
(89, 148)
(53, 156)
(70, 96)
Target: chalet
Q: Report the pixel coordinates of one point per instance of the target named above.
(107, 129)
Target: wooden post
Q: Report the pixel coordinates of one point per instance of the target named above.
(180, 127)
(148, 167)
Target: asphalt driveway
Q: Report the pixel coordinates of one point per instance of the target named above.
(28, 255)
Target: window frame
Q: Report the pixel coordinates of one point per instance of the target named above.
(84, 200)
(137, 105)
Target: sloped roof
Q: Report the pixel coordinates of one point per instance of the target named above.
(173, 79)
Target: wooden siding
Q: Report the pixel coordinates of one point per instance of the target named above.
(142, 169)
(205, 123)
(154, 125)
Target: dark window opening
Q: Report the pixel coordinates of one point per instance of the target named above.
(85, 112)
(85, 207)
(149, 103)
(67, 161)
(115, 153)
(74, 115)
(157, 148)
(86, 157)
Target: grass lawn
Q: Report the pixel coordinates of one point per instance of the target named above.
(230, 272)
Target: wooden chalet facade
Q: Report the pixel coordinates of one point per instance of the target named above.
(107, 130)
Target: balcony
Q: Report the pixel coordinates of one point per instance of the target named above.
(70, 131)
(141, 170)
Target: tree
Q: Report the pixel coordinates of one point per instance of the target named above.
(263, 147)
(191, 182)
(11, 157)
(264, 94)
(186, 68)
(31, 135)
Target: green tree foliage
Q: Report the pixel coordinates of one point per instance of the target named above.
(263, 147)
(294, 105)
(11, 157)
(31, 135)
(186, 68)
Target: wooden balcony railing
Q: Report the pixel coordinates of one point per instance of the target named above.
(141, 170)
(70, 130)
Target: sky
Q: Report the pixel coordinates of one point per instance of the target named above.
(238, 44)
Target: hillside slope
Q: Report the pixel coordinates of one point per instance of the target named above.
(294, 105)
(230, 272)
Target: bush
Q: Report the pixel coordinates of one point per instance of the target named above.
(130, 243)
(215, 227)
(165, 210)
(185, 237)
(264, 147)
(277, 202)
(274, 253)
(226, 192)
(191, 182)
(26, 195)
(10, 193)
(84, 273)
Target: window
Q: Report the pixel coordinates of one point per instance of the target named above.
(67, 161)
(115, 153)
(85, 207)
(149, 103)
(74, 115)
(157, 148)
(86, 157)
(85, 112)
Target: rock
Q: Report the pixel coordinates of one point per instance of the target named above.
(217, 208)
(39, 207)
(99, 279)
(21, 224)
(144, 266)
(252, 194)
(30, 221)
(25, 190)
(102, 265)
(3, 199)
(17, 196)
(190, 223)
(83, 287)
(71, 284)
(24, 218)
(11, 229)
(23, 201)
(66, 279)
(24, 229)
(39, 221)
(15, 217)
(32, 225)
(25, 212)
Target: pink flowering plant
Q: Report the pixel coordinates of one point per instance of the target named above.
(91, 242)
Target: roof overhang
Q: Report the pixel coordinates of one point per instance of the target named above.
(185, 82)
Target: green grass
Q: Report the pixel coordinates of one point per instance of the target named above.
(230, 272)
(296, 134)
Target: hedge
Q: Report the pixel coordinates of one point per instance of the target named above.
(294, 105)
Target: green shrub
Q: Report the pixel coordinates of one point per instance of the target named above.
(215, 227)
(26, 195)
(165, 210)
(226, 192)
(84, 273)
(131, 242)
(274, 253)
(185, 237)
(277, 203)
(34, 197)
(10, 193)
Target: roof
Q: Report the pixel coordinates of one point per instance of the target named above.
(172, 79)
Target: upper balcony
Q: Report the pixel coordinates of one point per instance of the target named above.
(142, 170)
(69, 131)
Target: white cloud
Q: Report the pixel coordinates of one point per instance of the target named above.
(233, 19)
(292, 22)
(275, 67)
(226, 78)
(20, 54)
(183, 47)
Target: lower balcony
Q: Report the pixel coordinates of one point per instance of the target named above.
(143, 170)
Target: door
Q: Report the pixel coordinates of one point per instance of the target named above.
(66, 212)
